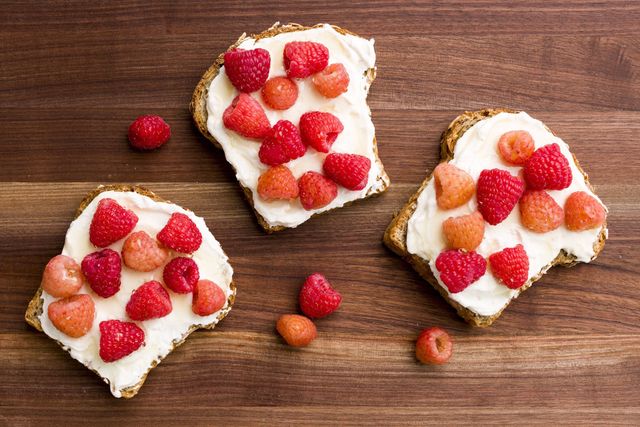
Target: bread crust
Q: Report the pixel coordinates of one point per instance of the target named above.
(198, 108)
(35, 307)
(395, 237)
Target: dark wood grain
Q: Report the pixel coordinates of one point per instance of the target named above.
(72, 77)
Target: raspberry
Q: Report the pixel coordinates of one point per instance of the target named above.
(317, 298)
(498, 193)
(349, 170)
(246, 117)
(459, 269)
(149, 301)
(297, 331)
(510, 266)
(277, 183)
(282, 143)
(319, 130)
(247, 69)
(516, 147)
(180, 234)
(434, 346)
(102, 270)
(119, 339)
(548, 169)
(181, 275)
(73, 316)
(316, 190)
(464, 232)
(148, 132)
(332, 81)
(539, 212)
(454, 187)
(207, 298)
(280, 93)
(140, 252)
(110, 223)
(62, 277)
(301, 59)
(583, 212)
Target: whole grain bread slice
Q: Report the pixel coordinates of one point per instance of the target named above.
(35, 307)
(395, 237)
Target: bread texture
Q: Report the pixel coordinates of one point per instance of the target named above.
(395, 236)
(198, 109)
(35, 307)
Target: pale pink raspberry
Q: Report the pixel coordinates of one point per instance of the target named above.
(140, 252)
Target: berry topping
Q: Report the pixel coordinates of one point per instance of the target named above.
(301, 59)
(207, 298)
(180, 234)
(148, 132)
(548, 169)
(317, 298)
(102, 270)
(583, 212)
(141, 252)
(181, 275)
(111, 222)
(119, 339)
(246, 117)
(247, 69)
(316, 190)
(464, 232)
(277, 183)
(282, 143)
(516, 147)
(498, 193)
(73, 316)
(459, 269)
(539, 212)
(297, 331)
(332, 81)
(434, 346)
(62, 277)
(349, 170)
(319, 130)
(280, 93)
(149, 301)
(454, 187)
(510, 266)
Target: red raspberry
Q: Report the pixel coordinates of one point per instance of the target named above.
(301, 59)
(516, 147)
(119, 339)
(539, 212)
(102, 270)
(111, 222)
(434, 346)
(282, 143)
(73, 316)
(510, 266)
(181, 275)
(583, 212)
(454, 187)
(349, 170)
(296, 330)
(62, 276)
(464, 232)
(317, 298)
(247, 69)
(141, 252)
(149, 301)
(148, 132)
(180, 234)
(280, 93)
(547, 168)
(207, 298)
(277, 183)
(498, 193)
(459, 269)
(332, 81)
(316, 190)
(319, 130)
(246, 117)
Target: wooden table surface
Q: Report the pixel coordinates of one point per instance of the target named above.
(72, 78)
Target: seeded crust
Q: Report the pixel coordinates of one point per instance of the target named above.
(198, 109)
(36, 304)
(395, 236)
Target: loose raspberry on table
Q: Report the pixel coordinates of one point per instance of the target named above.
(141, 252)
(110, 223)
(454, 187)
(332, 81)
(296, 330)
(280, 93)
(62, 277)
(498, 192)
(547, 169)
(277, 183)
(316, 190)
(349, 170)
(516, 147)
(246, 117)
(302, 59)
(434, 346)
(539, 212)
(149, 301)
(119, 339)
(459, 269)
(247, 69)
(281, 144)
(317, 297)
(464, 232)
(319, 130)
(102, 270)
(181, 275)
(583, 212)
(73, 316)
(207, 298)
(511, 266)
(148, 132)
(180, 234)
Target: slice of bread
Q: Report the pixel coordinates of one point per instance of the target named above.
(395, 236)
(198, 109)
(35, 308)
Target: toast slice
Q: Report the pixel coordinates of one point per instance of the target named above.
(378, 183)
(36, 307)
(395, 236)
